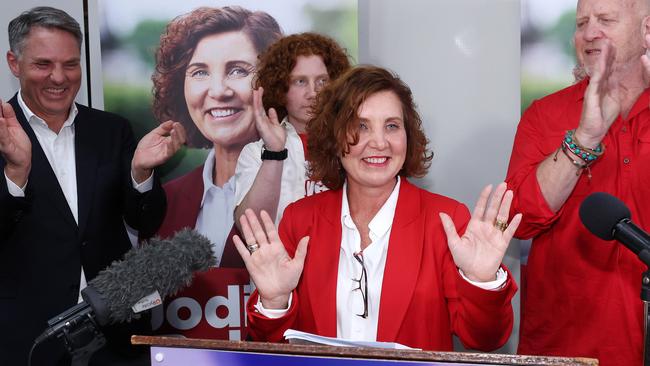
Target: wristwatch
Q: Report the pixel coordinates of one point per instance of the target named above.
(274, 155)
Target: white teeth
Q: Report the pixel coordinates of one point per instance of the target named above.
(220, 113)
(375, 160)
(55, 90)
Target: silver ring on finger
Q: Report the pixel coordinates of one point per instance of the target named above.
(252, 247)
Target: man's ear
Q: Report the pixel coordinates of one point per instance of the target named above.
(12, 61)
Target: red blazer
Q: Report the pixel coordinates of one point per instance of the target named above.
(424, 300)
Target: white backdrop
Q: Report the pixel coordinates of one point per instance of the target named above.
(461, 59)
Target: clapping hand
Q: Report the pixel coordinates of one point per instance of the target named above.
(15, 146)
(155, 148)
(479, 252)
(602, 100)
(274, 273)
(645, 59)
(268, 127)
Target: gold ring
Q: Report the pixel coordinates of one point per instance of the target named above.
(252, 247)
(501, 225)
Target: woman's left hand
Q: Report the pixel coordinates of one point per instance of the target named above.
(479, 252)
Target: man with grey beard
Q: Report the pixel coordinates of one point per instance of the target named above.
(581, 294)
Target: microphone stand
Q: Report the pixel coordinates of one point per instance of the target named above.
(83, 342)
(80, 331)
(644, 255)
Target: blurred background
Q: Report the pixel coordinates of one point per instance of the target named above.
(547, 54)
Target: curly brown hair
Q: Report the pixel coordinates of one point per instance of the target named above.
(280, 58)
(177, 45)
(333, 129)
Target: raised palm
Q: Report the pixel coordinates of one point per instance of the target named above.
(273, 271)
(480, 250)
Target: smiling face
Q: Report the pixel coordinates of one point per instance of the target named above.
(307, 78)
(376, 160)
(618, 21)
(49, 72)
(218, 90)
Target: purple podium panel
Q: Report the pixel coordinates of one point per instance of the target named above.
(177, 351)
(169, 356)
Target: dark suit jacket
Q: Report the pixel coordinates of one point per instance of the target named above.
(423, 298)
(42, 248)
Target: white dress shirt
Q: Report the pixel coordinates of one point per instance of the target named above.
(59, 150)
(215, 218)
(349, 301)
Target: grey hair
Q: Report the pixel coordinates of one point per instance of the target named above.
(41, 16)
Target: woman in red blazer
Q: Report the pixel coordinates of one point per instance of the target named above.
(385, 261)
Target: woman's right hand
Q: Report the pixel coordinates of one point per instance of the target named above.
(268, 127)
(274, 273)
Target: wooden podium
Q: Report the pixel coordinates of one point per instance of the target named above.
(170, 351)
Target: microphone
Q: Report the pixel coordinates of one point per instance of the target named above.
(146, 275)
(608, 218)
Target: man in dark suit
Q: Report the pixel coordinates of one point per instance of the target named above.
(71, 177)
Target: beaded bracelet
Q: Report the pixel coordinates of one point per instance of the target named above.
(581, 166)
(586, 154)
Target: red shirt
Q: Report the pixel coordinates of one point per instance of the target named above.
(303, 138)
(582, 294)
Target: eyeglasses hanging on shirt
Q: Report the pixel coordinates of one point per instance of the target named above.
(362, 284)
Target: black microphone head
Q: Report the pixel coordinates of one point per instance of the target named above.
(600, 212)
(165, 266)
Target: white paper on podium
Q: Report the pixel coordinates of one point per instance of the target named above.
(298, 337)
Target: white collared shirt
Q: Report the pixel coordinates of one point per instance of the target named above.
(349, 300)
(217, 205)
(59, 150)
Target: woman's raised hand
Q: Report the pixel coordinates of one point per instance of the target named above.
(274, 273)
(479, 252)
